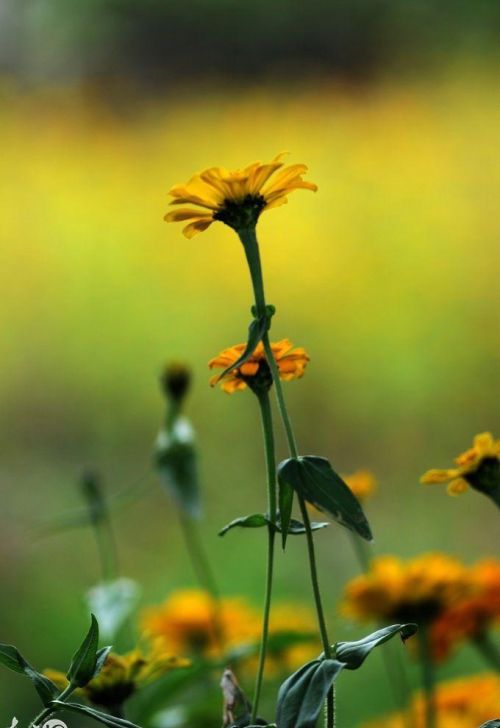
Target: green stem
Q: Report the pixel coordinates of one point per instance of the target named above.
(47, 712)
(250, 243)
(268, 433)
(488, 650)
(428, 680)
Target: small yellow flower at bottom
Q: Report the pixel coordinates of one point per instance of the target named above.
(122, 675)
(291, 363)
(478, 467)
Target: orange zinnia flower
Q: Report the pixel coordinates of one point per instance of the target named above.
(291, 364)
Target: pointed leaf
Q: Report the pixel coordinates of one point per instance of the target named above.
(297, 528)
(12, 658)
(101, 657)
(84, 660)
(113, 602)
(104, 718)
(353, 654)
(316, 481)
(256, 331)
(302, 695)
(176, 462)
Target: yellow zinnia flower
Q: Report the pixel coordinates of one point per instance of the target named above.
(255, 371)
(122, 675)
(236, 198)
(479, 467)
(417, 590)
(464, 703)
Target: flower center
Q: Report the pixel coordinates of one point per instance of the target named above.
(242, 214)
(261, 381)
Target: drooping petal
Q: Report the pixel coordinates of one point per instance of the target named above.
(186, 213)
(197, 227)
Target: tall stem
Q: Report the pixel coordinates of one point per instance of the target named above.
(251, 246)
(268, 433)
(428, 680)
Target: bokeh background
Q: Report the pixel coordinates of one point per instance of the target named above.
(388, 276)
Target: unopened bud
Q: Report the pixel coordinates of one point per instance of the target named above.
(175, 381)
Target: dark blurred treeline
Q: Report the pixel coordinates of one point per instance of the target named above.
(151, 41)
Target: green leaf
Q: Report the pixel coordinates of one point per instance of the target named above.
(491, 724)
(285, 499)
(353, 654)
(105, 718)
(258, 520)
(176, 462)
(112, 602)
(11, 657)
(83, 664)
(315, 480)
(302, 695)
(256, 331)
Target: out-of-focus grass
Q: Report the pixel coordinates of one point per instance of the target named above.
(388, 276)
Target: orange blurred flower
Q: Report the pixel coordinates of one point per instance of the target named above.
(464, 703)
(417, 590)
(473, 616)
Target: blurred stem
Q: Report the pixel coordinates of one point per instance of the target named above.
(203, 570)
(488, 650)
(268, 433)
(393, 663)
(195, 548)
(428, 678)
(106, 547)
(250, 243)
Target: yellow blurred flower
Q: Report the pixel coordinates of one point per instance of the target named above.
(362, 484)
(295, 619)
(255, 371)
(417, 590)
(236, 198)
(473, 616)
(464, 703)
(185, 622)
(122, 675)
(477, 466)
